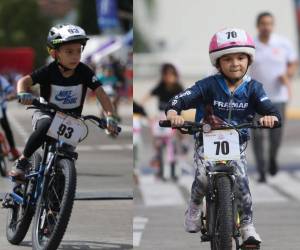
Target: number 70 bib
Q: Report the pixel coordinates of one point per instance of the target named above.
(221, 145)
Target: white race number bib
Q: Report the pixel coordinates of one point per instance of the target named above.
(67, 129)
(221, 145)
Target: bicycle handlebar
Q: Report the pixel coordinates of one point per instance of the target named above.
(53, 108)
(193, 127)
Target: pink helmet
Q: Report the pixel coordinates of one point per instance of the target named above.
(230, 40)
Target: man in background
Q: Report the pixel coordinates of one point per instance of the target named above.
(275, 64)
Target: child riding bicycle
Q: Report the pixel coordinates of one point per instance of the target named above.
(64, 83)
(7, 93)
(230, 96)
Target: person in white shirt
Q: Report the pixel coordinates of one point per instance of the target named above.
(275, 64)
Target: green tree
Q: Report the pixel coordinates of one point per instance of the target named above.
(22, 24)
(87, 16)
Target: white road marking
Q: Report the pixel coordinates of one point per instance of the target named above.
(110, 147)
(297, 174)
(186, 181)
(19, 128)
(286, 183)
(126, 129)
(139, 224)
(261, 193)
(5, 185)
(157, 193)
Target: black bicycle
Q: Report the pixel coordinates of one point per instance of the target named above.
(220, 221)
(49, 189)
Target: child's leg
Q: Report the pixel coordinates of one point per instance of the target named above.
(245, 200)
(243, 191)
(37, 138)
(192, 216)
(200, 182)
(41, 123)
(244, 197)
(199, 187)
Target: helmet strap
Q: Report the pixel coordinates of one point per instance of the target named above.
(64, 68)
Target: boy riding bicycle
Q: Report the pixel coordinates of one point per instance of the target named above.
(64, 83)
(230, 96)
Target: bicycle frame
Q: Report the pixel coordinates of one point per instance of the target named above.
(38, 176)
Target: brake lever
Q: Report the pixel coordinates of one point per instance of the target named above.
(31, 107)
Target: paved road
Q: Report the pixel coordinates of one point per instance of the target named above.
(104, 170)
(159, 206)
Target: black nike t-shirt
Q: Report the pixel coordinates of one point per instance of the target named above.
(164, 94)
(68, 93)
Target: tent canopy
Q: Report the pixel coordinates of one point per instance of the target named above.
(16, 59)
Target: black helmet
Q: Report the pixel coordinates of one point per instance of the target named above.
(65, 33)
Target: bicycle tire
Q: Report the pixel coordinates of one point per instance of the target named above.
(3, 165)
(16, 233)
(223, 227)
(41, 238)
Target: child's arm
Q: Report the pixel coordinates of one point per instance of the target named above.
(264, 107)
(187, 99)
(105, 101)
(108, 110)
(23, 90)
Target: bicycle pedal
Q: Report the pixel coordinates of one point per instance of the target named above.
(250, 246)
(7, 202)
(205, 238)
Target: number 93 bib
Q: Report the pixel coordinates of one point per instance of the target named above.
(67, 129)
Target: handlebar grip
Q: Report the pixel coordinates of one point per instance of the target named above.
(36, 102)
(103, 125)
(277, 124)
(165, 123)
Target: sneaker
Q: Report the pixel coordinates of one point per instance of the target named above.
(273, 167)
(18, 171)
(249, 235)
(13, 154)
(192, 222)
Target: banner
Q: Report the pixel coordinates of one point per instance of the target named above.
(107, 14)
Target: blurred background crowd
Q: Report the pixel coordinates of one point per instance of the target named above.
(108, 23)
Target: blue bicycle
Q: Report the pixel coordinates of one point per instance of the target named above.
(49, 190)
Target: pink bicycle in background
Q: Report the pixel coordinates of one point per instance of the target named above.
(165, 147)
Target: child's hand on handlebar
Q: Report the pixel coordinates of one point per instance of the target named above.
(25, 98)
(268, 121)
(112, 125)
(176, 120)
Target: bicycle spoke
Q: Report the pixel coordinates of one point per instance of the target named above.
(57, 197)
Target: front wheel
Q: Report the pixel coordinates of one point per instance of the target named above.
(54, 207)
(3, 165)
(223, 226)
